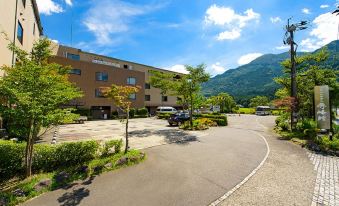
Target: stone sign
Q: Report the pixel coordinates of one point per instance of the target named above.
(322, 106)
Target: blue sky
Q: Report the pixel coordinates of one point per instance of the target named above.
(223, 34)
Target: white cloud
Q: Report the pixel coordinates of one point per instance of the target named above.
(324, 6)
(216, 69)
(324, 31)
(306, 11)
(283, 47)
(106, 18)
(69, 2)
(247, 58)
(234, 34)
(275, 19)
(48, 7)
(227, 17)
(177, 68)
(55, 41)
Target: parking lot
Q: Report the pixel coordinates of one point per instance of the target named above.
(143, 133)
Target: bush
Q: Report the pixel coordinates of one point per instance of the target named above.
(326, 144)
(142, 112)
(83, 112)
(131, 113)
(164, 115)
(75, 153)
(221, 120)
(282, 122)
(11, 159)
(109, 145)
(45, 157)
(308, 127)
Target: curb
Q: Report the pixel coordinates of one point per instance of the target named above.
(229, 193)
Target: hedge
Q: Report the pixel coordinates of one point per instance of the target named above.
(221, 120)
(45, 157)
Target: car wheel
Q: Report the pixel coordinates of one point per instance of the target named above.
(170, 124)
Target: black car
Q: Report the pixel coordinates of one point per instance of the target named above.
(178, 118)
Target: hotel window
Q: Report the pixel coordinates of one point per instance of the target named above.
(75, 71)
(147, 98)
(179, 99)
(73, 56)
(133, 96)
(20, 33)
(98, 93)
(164, 98)
(147, 86)
(131, 81)
(33, 28)
(101, 76)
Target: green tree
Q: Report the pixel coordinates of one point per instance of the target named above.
(310, 73)
(162, 81)
(259, 101)
(224, 100)
(189, 86)
(121, 96)
(32, 92)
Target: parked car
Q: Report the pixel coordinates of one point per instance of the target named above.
(178, 118)
(166, 110)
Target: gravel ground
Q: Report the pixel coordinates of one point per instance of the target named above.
(286, 178)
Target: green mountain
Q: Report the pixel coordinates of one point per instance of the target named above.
(256, 78)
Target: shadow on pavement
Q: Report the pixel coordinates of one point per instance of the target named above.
(170, 135)
(73, 198)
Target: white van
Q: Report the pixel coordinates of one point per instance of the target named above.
(171, 110)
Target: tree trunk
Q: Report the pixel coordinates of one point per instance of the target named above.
(29, 150)
(191, 115)
(126, 136)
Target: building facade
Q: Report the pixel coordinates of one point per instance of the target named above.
(19, 23)
(90, 72)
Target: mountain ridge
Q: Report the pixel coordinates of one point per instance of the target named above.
(256, 77)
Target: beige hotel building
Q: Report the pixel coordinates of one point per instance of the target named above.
(91, 71)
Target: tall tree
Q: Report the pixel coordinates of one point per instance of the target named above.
(310, 73)
(224, 100)
(32, 92)
(259, 101)
(121, 96)
(190, 85)
(162, 81)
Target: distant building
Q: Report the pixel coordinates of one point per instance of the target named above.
(20, 21)
(91, 71)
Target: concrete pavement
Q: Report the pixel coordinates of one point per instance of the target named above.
(189, 173)
(286, 178)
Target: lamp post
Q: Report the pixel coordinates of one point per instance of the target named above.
(289, 40)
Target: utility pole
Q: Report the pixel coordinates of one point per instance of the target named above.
(289, 40)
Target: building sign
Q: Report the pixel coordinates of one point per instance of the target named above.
(105, 63)
(322, 106)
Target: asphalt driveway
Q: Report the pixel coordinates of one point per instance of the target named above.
(193, 172)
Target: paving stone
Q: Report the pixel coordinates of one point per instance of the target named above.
(326, 189)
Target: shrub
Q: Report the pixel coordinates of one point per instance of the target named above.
(221, 120)
(282, 122)
(325, 143)
(142, 112)
(44, 158)
(75, 153)
(109, 145)
(308, 127)
(164, 115)
(131, 113)
(11, 159)
(83, 112)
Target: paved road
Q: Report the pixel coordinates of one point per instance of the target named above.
(195, 173)
(286, 178)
